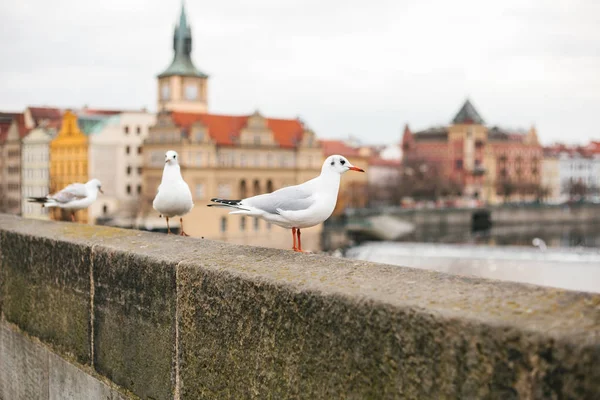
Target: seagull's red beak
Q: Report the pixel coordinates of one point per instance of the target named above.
(353, 168)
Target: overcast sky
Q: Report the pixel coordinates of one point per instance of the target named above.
(362, 68)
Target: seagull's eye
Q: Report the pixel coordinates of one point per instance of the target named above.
(173, 156)
(342, 162)
(333, 162)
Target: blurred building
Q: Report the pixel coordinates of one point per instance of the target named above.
(353, 191)
(116, 159)
(35, 170)
(228, 156)
(12, 130)
(68, 160)
(575, 173)
(488, 163)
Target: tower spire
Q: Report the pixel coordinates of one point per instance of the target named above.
(182, 63)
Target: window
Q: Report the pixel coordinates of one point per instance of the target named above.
(224, 190)
(128, 189)
(126, 128)
(243, 189)
(127, 150)
(138, 129)
(199, 136)
(269, 186)
(223, 224)
(459, 164)
(191, 92)
(129, 170)
(256, 224)
(140, 150)
(165, 91)
(139, 169)
(139, 189)
(243, 224)
(257, 140)
(199, 191)
(198, 158)
(268, 226)
(105, 209)
(256, 187)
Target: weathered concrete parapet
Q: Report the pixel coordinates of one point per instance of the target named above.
(170, 317)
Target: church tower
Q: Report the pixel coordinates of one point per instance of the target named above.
(182, 87)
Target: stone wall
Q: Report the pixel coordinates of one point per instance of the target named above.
(166, 317)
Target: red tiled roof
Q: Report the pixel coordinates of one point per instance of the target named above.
(223, 129)
(331, 147)
(6, 120)
(39, 113)
(20, 118)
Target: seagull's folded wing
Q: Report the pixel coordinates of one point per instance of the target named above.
(292, 198)
(74, 191)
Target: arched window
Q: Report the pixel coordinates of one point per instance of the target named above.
(243, 190)
(269, 186)
(256, 187)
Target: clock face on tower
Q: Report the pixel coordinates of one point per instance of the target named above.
(165, 91)
(191, 92)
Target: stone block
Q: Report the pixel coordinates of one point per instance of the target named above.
(134, 314)
(46, 290)
(23, 367)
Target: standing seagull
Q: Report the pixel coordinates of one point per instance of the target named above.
(300, 206)
(174, 196)
(76, 196)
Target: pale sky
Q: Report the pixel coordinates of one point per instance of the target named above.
(361, 68)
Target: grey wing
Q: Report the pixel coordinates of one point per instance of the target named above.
(74, 191)
(290, 198)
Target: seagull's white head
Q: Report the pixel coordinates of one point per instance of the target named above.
(95, 184)
(338, 164)
(172, 158)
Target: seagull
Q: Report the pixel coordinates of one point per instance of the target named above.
(539, 243)
(75, 196)
(173, 197)
(296, 207)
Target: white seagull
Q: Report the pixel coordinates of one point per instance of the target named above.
(173, 197)
(296, 207)
(76, 196)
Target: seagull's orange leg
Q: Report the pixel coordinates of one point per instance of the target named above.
(299, 249)
(182, 232)
(168, 227)
(294, 237)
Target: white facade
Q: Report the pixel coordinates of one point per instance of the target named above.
(576, 168)
(35, 171)
(115, 158)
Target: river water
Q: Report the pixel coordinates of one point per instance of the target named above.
(569, 257)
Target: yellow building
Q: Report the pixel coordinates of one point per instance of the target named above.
(68, 161)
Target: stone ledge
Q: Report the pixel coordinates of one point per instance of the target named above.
(253, 322)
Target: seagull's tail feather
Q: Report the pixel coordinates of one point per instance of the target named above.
(44, 201)
(223, 203)
(41, 200)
